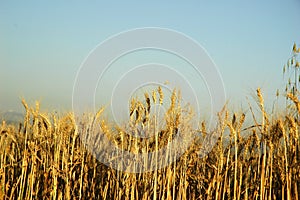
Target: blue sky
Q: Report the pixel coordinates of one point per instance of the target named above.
(42, 44)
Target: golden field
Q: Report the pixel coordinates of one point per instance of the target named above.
(44, 156)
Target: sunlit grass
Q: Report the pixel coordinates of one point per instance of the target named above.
(44, 157)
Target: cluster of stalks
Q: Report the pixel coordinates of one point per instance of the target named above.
(53, 157)
(45, 158)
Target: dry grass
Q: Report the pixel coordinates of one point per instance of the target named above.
(44, 158)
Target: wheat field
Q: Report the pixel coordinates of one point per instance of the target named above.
(44, 156)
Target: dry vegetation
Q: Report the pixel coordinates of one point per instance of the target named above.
(44, 157)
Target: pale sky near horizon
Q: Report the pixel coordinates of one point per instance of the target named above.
(43, 44)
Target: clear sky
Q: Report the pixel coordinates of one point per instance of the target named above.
(42, 44)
